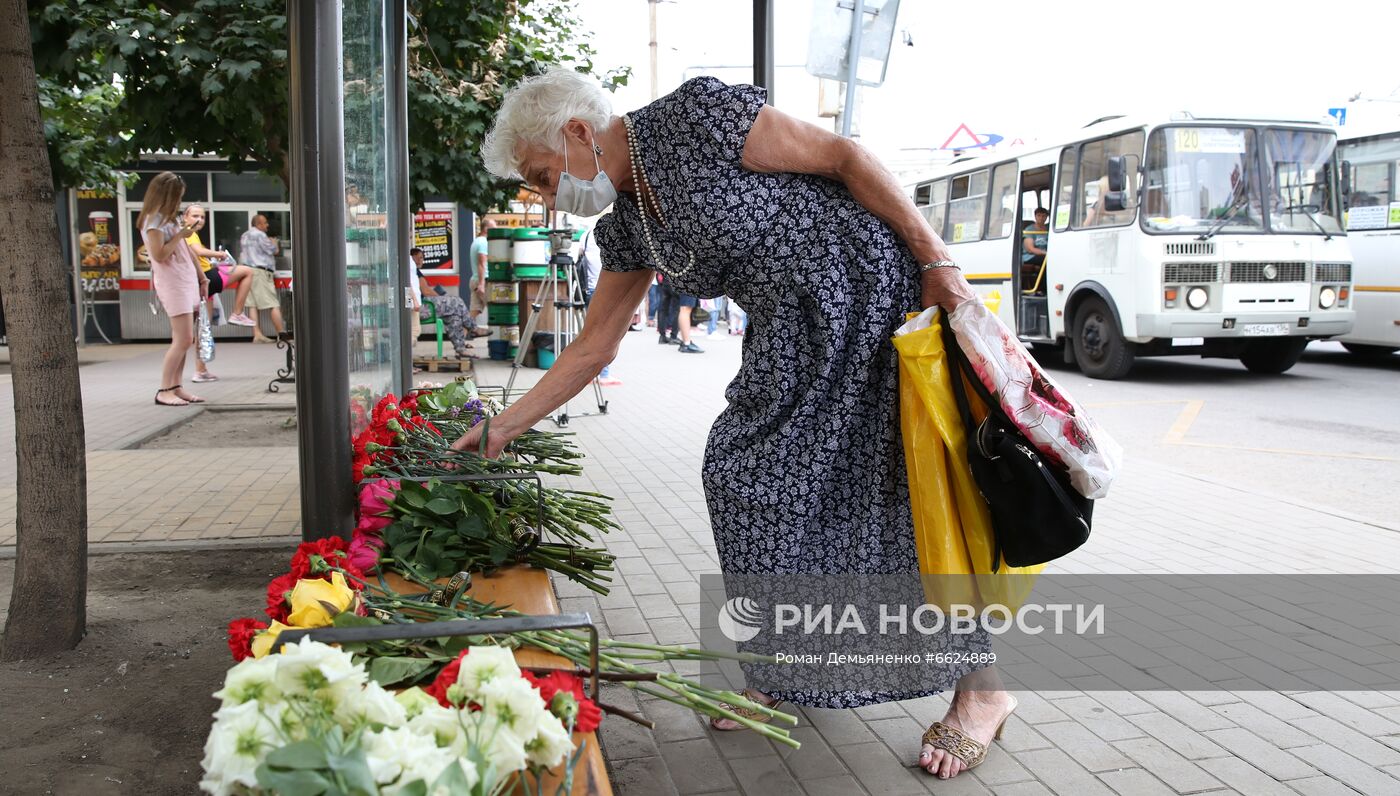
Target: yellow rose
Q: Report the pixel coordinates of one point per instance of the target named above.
(316, 602)
(265, 639)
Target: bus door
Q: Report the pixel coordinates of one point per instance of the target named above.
(1030, 255)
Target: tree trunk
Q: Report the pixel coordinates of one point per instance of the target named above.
(48, 604)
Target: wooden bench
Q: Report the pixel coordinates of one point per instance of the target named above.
(528, 590)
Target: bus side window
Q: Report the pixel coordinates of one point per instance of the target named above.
(1064, 193)
(1093, 179)
(1003, 208)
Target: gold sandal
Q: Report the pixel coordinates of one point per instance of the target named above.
(748, 713)
(957, 743)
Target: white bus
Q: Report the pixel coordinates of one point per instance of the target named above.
(1371, 196)
(1181, 235)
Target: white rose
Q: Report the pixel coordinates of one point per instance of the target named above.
(429, 766)
(252, 679)
(371, 705)
(399, 757)
(514, 702)
(415, 700)
(483, 665)
(443, 724)
(239, 740)
(551, 744)
(503, 748)
(309, 666)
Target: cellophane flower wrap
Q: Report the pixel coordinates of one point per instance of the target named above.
(1055, 423)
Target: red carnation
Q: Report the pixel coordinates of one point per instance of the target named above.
(589, 714)
(444, 680)
(240, 637)
(277, 592)
(334, 551)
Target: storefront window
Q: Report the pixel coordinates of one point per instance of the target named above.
(248, 187)
(196, 185)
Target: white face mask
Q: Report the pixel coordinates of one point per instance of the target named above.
(584, 197)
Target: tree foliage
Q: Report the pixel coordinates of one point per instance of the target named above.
(122, 77)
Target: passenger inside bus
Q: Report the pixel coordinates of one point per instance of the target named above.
(1035, 240)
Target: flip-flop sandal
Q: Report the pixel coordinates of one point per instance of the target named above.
(194, 399)
(159, 402)
(958, 744)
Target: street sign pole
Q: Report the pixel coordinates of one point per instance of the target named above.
(852, 61)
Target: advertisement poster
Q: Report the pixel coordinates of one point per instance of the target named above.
(432, 232)
(99, 244)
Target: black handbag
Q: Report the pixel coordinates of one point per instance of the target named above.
(1037, 516)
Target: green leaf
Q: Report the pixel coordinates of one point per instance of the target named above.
(354, 771)
(351, 619)
(393, 671)
(442, 506)
(452, 780)
(302, 754)
(291, 782)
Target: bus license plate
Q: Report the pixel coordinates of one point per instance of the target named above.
(1264, 329)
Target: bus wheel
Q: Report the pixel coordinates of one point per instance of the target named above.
(1099, 347)
(1275, 355)
(1365, 350)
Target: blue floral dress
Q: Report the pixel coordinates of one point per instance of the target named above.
(804, 471)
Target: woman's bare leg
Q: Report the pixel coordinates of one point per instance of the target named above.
(173, 365)
(979, 706)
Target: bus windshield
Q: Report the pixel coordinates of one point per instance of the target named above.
(1201, 178)
(1300, 182)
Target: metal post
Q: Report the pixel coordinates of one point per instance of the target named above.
(852, 61)
(318, 216)
(763, 46)
(400, 215)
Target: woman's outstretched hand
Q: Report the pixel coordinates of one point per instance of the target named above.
(945, 287)
(495, 443)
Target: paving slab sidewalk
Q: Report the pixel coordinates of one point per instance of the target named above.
(646, 452)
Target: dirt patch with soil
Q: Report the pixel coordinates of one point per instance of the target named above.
(214, 428)
(127, 712)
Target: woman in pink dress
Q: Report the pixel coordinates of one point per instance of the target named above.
(179, 284)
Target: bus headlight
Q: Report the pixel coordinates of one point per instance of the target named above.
(1327, 297)
(1197, 297)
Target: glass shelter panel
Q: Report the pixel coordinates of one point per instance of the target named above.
(373, 320)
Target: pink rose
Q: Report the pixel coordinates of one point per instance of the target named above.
(375, 498)
(364, 552)
(372, 526)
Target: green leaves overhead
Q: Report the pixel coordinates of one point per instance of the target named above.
(122, 77)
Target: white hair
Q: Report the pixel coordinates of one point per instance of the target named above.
(534, 113)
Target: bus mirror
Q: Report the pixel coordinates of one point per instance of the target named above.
(1346, 178)
(1117, 173)
(1113, 201)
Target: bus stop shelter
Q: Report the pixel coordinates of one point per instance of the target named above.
(350, 207)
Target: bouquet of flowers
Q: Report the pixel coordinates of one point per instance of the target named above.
(431, 530)
(325, 588)
(309, 720)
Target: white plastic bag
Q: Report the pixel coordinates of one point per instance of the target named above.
(1053, 421)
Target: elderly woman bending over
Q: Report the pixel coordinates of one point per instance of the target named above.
(804, 471)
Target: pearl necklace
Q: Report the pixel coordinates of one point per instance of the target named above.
(645, 194)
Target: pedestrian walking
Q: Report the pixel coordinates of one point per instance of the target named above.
(259, 292)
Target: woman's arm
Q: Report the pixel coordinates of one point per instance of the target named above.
(609, 315)
(779, 143)
(158, 247)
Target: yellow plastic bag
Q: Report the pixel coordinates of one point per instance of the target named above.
(952, 525)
